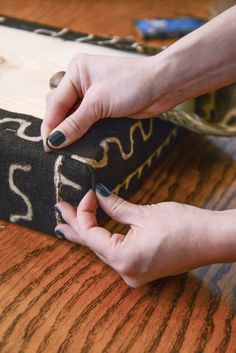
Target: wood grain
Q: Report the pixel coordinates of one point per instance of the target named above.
(28, 62)
(58, 297)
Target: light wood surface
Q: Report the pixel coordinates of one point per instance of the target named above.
(28, 62)
(58, 297)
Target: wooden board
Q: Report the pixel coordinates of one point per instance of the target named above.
(28, 60)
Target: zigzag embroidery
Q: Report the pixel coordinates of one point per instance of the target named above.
(29, 214)
(60, 179)
(105, 146)
(21, 130)
(148, 162)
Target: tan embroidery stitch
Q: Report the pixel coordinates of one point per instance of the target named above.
(105, 146)
(29, 214)
(148, 162)
(20, 132)
(60, 180)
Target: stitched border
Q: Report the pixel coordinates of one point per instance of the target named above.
(147, 163)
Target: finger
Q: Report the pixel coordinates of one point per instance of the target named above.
(56, 79)
(118, 209)
(59, 102)
(84, 215)
(75, 125)
(86, 211)
(98, 239)
(64, 231)
(67, 212)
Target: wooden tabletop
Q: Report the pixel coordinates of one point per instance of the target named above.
(58, 297)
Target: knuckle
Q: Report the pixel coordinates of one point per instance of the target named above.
(80, 56)
(93, 96)
(98, 101)
(119, 203)
(73, 61)
(77, 72)
(93, 105)
(77, 59)
(74, 125)
(97, 94)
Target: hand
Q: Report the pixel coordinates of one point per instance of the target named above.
(96, 87)
(164, 239)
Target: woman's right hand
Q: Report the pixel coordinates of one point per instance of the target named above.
(163, 239)
(96, 87)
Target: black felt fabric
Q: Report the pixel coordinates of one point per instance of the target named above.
(119, 154)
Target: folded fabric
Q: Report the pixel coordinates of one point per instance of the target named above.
(120, 153)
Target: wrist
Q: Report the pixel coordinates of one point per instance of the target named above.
(168, 79)
(222, 235)
(215, 233)
(196, 64)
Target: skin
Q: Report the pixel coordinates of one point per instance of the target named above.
(163, 239)
(96, 87)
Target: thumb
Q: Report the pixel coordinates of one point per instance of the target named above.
(117, 208)
(76, 124)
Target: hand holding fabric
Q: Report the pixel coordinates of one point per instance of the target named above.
(96, 87)
(164, 239)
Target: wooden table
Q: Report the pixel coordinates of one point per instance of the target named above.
(58, 297)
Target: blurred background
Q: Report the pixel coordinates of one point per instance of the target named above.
(107, 16)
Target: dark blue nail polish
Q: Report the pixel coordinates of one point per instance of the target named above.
(58, 211)
(102, 190)
(59, 234)
(56, 139)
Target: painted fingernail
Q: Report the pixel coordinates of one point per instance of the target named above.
(56, 139)
(59, 234)
(58, 212)
(56, 79)
(102, 190)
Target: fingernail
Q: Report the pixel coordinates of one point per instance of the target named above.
(59, 234)
(56, 139)
(58, 211)
(56, 79)
(46, 147)
(102, 190)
